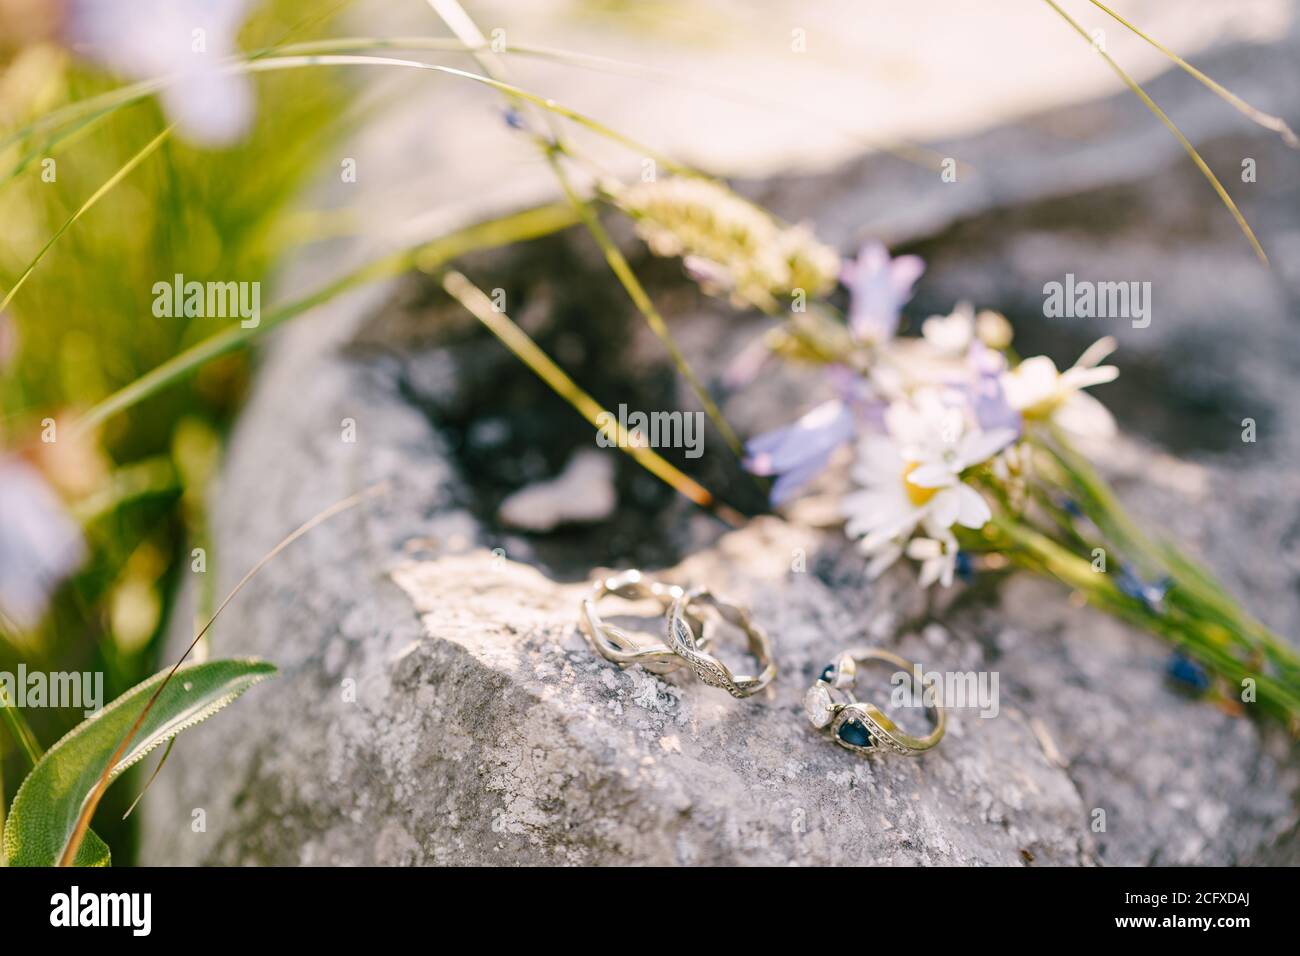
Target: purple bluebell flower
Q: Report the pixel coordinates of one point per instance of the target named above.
(798, 452)
(1188, 674)
(184, 40)
(989, 404)
(39, 543)
(1150, 593)
(988, 400)
(878, 287)
(858, 392)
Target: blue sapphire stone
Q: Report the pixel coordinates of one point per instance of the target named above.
(855, 732)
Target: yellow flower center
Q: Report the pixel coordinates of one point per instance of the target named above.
(1045, 409)
(915, 493)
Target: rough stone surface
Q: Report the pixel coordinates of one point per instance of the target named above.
(438, 705)
(582, 493)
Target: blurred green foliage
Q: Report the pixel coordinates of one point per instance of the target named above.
(83, 326)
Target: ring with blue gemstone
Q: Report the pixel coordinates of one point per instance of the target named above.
(861, 726)
(614, 643)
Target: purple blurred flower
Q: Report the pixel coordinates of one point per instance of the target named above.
(185, 40)
(879, 287)
(987, 398)
(798, 452)
(39, 544)
(1149, 592)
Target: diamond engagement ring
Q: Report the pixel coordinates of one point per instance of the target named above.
(683, 626)
(860, 726)
(615, 644)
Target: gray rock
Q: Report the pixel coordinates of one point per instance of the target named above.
(437, 703)
(457, 716)
(582, 493)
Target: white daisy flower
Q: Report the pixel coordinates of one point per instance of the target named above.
(951, 334)
(939, 439)
(887, 507)
(938, 557)
(883, 556)
(1041, 393)
(913, 474)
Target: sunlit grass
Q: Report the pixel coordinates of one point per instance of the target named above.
(128, 206)
(1169, 124)
(121, 206)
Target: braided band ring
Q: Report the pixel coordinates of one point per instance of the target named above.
(615, 644)
(682, 628)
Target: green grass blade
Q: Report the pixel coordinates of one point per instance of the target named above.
(223, 343)
(1266, 120)
(20, 729)
(152, 777)
(460, 23)
(490, 234)
(550, 105)
(622, 270)
(125, 96)
(85, 207)
(1178, 134)
(71, 134)
(1043, 555)
(528, 352)
(106, 103)
(130, 94)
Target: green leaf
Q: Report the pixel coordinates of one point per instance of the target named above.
(93, 851)
(45, 810)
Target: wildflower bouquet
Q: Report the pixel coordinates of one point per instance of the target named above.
(965, 456)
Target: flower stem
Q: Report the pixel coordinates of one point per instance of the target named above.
(528, 352)
(1188, 628)
(618, 264)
